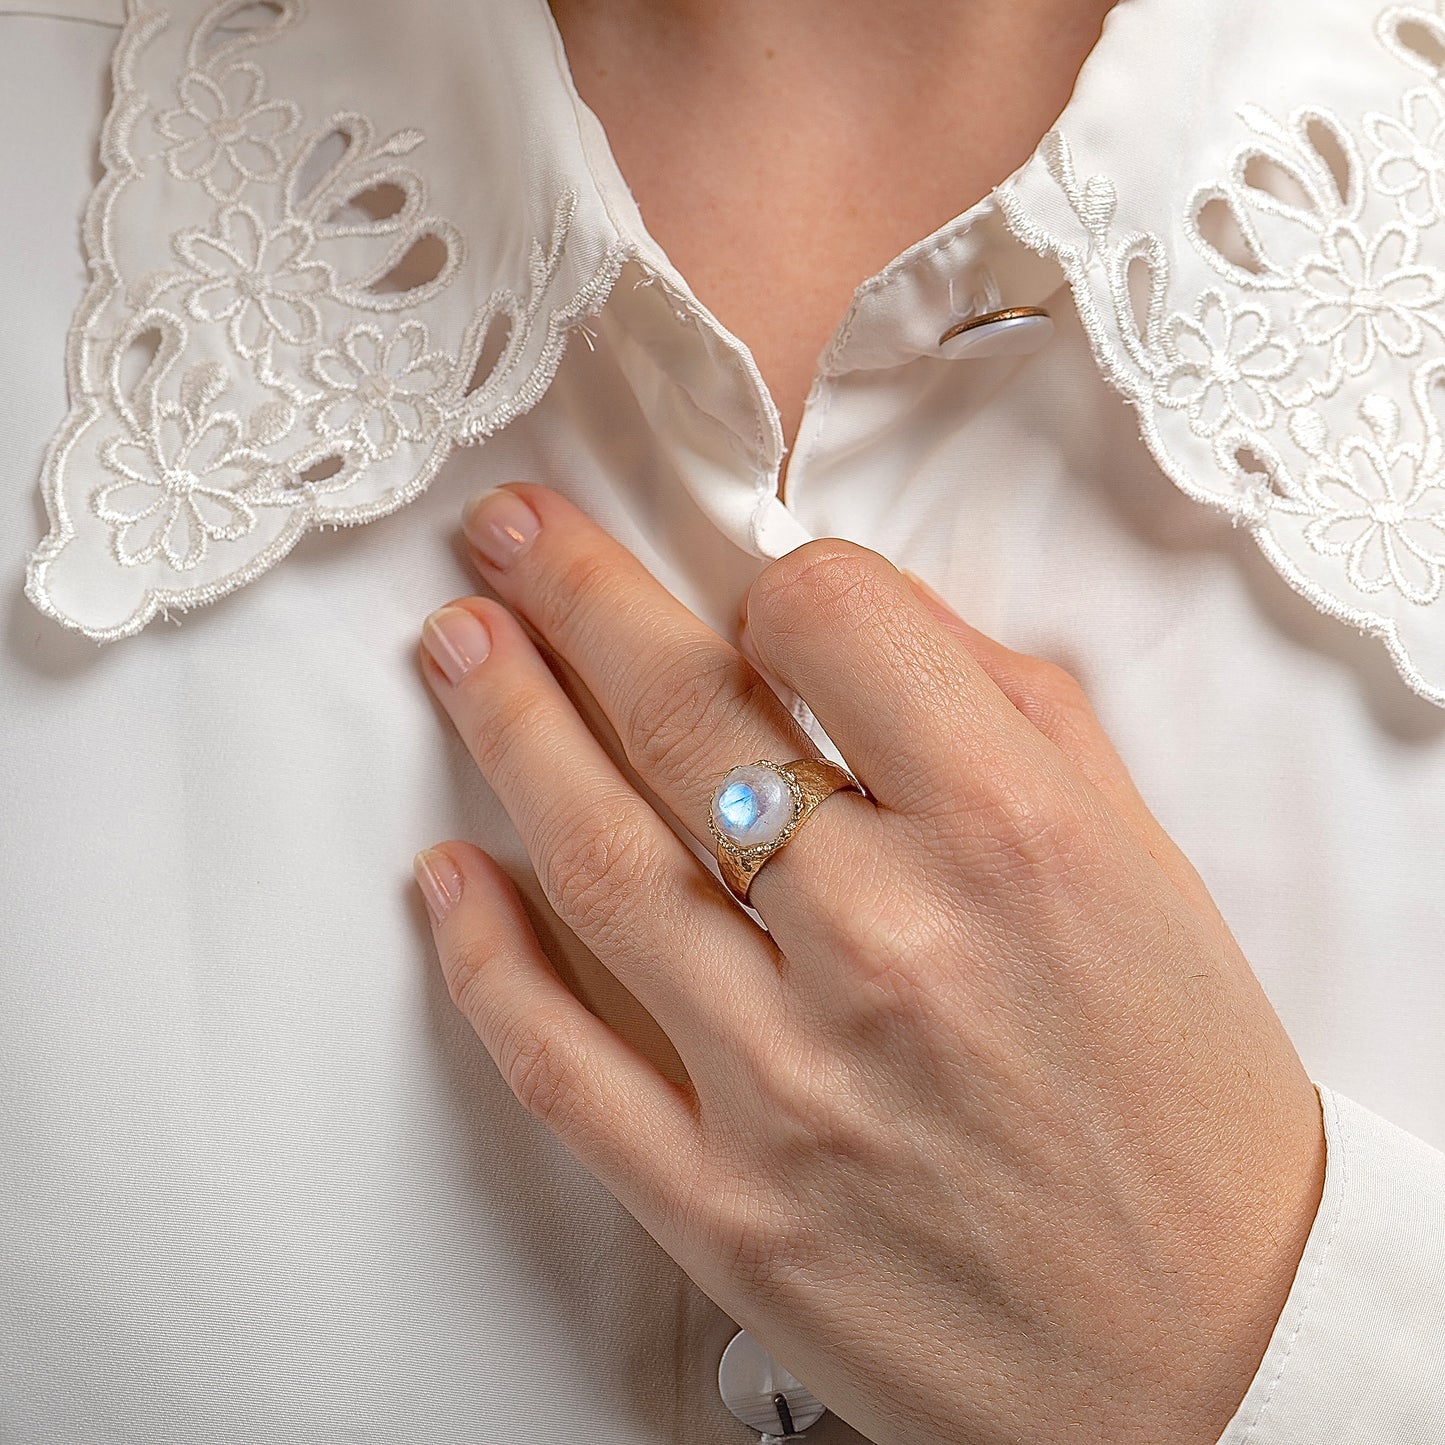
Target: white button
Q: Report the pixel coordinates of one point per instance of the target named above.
(1015, 332)
(748, 1379)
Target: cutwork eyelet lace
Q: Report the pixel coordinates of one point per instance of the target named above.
(283, 365)
(1292, 380)
(232, 397)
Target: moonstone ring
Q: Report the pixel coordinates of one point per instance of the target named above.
(757, 807)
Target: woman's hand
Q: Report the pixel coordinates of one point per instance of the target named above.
(992, 1136)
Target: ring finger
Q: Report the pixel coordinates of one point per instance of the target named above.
(685, 705)
(613, 870)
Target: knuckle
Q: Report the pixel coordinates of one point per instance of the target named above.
(748, 1227)
(826, 576)
(498, 723)
(697, 691)
(569, 590)
(1051, 697)
(1022, 819)
(813, 1110)
(592, 873)
(1019, 819)
(891, 975)
(468, 964)
(767, 1247)
(538, 1068)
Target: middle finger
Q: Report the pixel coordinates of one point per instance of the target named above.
(686, 706)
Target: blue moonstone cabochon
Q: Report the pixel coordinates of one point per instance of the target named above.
(752, 805)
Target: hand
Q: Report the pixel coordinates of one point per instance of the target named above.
(992, 1136)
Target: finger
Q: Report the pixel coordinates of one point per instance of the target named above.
(685, 705)
(1054, 701)
(745, 646)
(1047, 696)
(918, 719)
(632, 1127)
(615, 873)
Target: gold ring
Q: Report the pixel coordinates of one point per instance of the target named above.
(757, 808)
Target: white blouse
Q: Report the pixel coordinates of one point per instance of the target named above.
(265, 268)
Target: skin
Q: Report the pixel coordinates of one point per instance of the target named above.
(793, 168)
(992, 1136)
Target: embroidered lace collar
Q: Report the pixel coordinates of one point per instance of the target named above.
(330, 244)
(312, 280)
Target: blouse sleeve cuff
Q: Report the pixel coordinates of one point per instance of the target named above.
(1355, 1358)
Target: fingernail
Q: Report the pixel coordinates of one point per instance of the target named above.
(440, 881)
(924, 590)
(500, 525)
(745, 645)
(457, 641)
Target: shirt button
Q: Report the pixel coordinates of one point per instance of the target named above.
(1013, 332)
(761, 1393)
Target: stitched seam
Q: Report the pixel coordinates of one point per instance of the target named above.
(607, 178)
(824, 386)
(57, 15)
(925, 250)
(688, 312)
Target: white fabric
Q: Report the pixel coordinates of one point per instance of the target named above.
(259, 1181)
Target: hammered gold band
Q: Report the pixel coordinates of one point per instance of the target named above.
(810, 780)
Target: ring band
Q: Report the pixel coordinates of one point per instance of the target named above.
(758, 807)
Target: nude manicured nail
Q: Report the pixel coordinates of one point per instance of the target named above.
(440, 881)
(500, 525)
(745, 645)
(457, 641)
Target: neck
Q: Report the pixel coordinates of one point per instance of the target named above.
(1005, 68)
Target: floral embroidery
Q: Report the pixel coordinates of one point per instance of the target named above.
(381, 389)
(1388, 519)
(225, 133)
(1412, 155)
(261, 282)
(182, 485)
(1367, 292)
(1385, 506)
(336, 387)
(1219, 362)
(1317, 292)
(238, 399)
